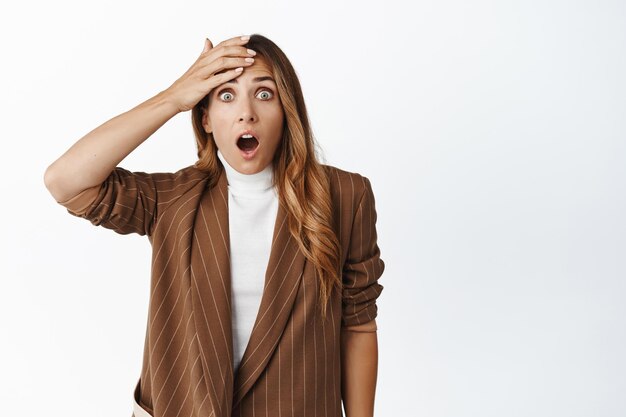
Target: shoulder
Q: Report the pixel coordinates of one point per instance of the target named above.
(188, 174)
(169, 186)
(347, 185)
(164, 189)
(156, 180)
(182, 187)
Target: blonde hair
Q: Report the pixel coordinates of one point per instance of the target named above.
(301, 180)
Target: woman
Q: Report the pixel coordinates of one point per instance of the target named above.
(264, 263)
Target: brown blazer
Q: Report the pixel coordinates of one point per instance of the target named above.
(291, 366)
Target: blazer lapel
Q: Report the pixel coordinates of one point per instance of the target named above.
(211, 298)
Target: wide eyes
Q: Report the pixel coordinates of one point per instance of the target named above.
(265, 94)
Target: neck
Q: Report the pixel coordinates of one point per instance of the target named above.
(248, 183)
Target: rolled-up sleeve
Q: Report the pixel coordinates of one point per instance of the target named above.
(125, 202)
(363, 266)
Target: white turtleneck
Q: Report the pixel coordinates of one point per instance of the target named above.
(252, 209)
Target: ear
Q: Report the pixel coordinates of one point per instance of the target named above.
(206, 122)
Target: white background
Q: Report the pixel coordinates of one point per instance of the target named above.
(494, 135)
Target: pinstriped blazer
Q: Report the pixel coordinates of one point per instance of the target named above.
(291, 366)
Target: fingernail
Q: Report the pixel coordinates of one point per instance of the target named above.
(251, 52)
(245, 38)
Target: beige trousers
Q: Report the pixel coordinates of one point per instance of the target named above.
(138, 411)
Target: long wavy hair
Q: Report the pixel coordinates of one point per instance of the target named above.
(302, 182)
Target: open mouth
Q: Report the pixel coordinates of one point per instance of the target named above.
(247, 143)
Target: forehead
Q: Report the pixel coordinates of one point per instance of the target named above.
(257, 72)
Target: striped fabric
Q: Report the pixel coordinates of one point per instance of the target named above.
(291, 366)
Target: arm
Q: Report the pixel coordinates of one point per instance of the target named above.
(359, 361)
(90, 160)
(359, 343)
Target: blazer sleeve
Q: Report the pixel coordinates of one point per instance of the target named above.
(363, 266)
(125, 202)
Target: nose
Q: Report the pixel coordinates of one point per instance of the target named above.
(246, 112)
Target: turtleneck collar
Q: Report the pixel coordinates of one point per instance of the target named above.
(247, 183)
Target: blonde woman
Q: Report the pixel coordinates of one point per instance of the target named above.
(265, 264)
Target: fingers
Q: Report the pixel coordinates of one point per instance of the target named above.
(226, 63)
(237, 40)
(222, 77)
(226, 55)
(233, 47)
(237, 51)
(227, 44)
(207, 45)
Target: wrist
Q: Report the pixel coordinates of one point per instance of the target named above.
(166, 100)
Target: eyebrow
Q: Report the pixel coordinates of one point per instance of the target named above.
(256, 79)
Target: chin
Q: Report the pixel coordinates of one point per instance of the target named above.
(249, 167)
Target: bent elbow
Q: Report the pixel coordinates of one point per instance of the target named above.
(51, 182)
(59, 188)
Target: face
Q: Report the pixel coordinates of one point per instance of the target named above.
(246, 103)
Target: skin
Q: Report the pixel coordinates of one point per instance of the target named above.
(243, 103)
(359, 368)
